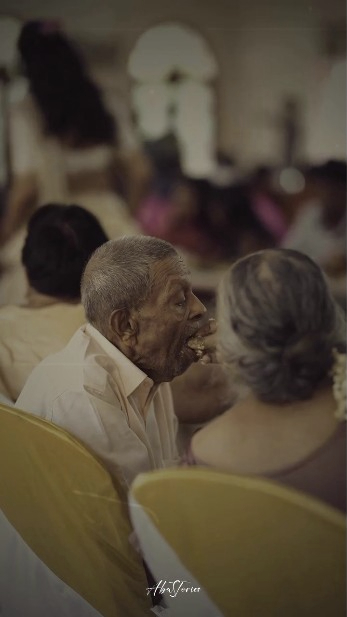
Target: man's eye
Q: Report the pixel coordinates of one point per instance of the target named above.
(181, 302)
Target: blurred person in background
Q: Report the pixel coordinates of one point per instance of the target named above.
(64, 145)
(59, 242)
(267, 204)
(212, 219)
(319, 229)
(231, 220)
(172, 208)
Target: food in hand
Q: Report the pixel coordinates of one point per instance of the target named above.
(198, 344)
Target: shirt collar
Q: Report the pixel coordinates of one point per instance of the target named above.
(131, 376)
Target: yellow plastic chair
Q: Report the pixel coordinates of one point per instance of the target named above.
(64, 528)
(223, 545)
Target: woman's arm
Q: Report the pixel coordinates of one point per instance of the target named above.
(201, 393)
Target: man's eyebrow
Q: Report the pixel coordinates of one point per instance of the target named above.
(177, 286)
(179, 281)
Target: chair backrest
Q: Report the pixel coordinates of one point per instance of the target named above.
(241, 547)
(64, 528)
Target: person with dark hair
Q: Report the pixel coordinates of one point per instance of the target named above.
(59, 242)
(282, 340)
(64, 146)
(53, 67)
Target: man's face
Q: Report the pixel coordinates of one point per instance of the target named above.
(168, 318)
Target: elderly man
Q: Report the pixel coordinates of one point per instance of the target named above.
(107, 386)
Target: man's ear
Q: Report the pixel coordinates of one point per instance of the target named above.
(123, 325)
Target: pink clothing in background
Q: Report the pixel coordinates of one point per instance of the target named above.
(269, 215)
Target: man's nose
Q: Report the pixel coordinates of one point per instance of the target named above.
(197, 309)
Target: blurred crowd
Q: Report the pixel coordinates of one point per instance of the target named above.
(67, 146)
(80, 176)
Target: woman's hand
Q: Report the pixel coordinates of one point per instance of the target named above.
(204, 342)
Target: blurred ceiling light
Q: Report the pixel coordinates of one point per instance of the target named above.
(171, 47)
(291, 180)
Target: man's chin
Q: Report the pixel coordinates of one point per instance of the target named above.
(186, 358)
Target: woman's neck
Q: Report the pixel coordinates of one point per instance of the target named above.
(252, 406)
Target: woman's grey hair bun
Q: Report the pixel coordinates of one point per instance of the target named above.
(278, 324)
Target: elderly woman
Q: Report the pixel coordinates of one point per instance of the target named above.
(281, 337)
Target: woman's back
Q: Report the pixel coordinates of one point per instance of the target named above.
(303, 446)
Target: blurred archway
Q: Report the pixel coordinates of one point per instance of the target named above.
(173, 72)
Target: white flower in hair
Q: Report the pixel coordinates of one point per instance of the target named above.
(338, 373)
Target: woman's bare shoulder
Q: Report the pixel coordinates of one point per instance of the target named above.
(213, 443)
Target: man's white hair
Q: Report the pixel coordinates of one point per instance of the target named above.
(118, 276)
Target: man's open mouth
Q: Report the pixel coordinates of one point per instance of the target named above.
(196, 345)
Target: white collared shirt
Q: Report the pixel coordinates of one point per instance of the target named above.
(96, 393)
